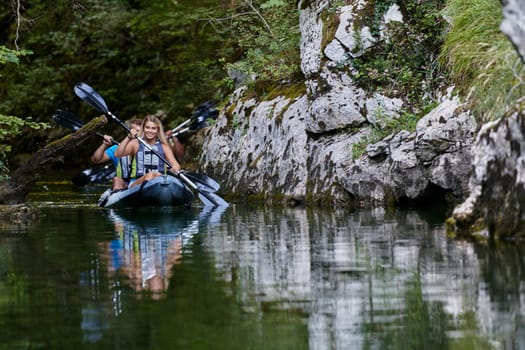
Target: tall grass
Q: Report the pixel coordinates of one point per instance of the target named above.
(482, 62)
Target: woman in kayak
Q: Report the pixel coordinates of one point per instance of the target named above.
(147, 164)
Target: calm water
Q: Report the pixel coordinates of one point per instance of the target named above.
(251, 278)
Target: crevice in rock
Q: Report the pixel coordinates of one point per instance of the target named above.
(434, 197)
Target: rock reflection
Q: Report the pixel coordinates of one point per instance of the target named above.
(370, 279)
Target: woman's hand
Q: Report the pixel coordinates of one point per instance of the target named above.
(132, 134)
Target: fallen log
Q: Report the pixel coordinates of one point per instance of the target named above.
(15, 189)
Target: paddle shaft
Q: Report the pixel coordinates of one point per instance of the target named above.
(181, 125)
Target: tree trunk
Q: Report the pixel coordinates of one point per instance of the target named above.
(15, 189)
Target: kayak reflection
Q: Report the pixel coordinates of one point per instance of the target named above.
(147, 245)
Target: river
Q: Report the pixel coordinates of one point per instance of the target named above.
(251, 277)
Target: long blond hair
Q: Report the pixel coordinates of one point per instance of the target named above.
(152, 118)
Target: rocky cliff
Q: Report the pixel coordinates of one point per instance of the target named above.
(301, 146)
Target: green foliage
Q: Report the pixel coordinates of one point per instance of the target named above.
(11, 56)
(142, 56)
(380, 8)
(399, 65)
(483, 63)
(267, 39)
(11, 126)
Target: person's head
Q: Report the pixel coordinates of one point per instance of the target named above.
(152, 129)
(136, 124)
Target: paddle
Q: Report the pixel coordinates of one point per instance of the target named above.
(205, 180)
(69, 120)
(94, 175)
(198, 120)
(89, 95)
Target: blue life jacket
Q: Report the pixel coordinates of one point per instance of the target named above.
(146, 161)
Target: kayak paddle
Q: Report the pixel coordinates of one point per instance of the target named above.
(198, 120)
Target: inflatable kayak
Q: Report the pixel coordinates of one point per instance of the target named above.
(163, 191)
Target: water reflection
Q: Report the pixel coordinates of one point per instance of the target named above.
(141, 256)
(256, 278)
(147, 245)
(369, 279)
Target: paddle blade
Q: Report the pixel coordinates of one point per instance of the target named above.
(67, 120)
(207, 109)
(94, 175)
(204, 112)
(208, 198)
(199, 123)
(89, 95)
(81, 179)
(212, 200)
(203, 181)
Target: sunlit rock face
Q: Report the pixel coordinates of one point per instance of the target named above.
(512, 24)
(306, 148)
(311, 35)
(260, 149)
(408, 165)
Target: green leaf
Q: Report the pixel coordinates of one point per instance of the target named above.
(273, 3)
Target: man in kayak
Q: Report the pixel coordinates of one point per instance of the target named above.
(106, 152)
(149, 156)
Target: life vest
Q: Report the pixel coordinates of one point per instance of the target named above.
(146, 161)
(124, 167)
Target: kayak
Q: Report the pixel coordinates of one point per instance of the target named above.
(163, 191)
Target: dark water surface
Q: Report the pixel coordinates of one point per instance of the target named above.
(251, 278)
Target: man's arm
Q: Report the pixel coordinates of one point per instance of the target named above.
(100, 156)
